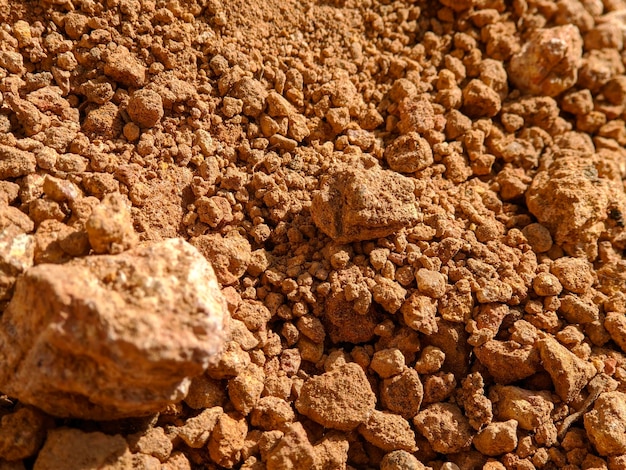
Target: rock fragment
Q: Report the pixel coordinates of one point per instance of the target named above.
(388, 432)
(15, 163)
(508, 361)
(401, 460)
(340, 399)
(548, 64)
(293, 450)
(574, 202)
(445, 428)
(22, 433)
(497, 438)
(145, 108)
(569, 373)
(229, 256)
(110, 226)
(529, 409)
(118, 335)
(227, 439)
(409, 153)
(403, 393)
(575, 274)
(125, 68)
(362, 204)
(72, 449)
(606, 424)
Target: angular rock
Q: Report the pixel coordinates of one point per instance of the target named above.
(569, 373)
(229, 256)
(388, 432)
(22, 433)
(340, 399)
(15, 162)
(445, 428)
(508, 361)
(112, 336)
(497, 438)
(110, 226)
(606, 424)
(574, 202)
(356, 204)
(530, 409)
(548, 63)
(72, 449)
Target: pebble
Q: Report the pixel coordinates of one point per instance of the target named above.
(340, 399)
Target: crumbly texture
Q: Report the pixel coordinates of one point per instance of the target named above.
(349, 234)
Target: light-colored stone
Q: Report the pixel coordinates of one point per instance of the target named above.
(606, 424)
(112, 336)
(362, 204)
(340, 399)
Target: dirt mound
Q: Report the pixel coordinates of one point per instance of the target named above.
(413, 213)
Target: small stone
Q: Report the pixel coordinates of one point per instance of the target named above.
(409, 153)
(131, 131)
(332, 451)
(15, 163)
(574, 274)
(615, 324)
(538, 237)
(401, 460)
(569, 373)
(388, 432)
(245, 390)
(445, 427)
(229, 256)
(293, 451)
(12, 61)
(606, 424)
(340, 399)
(530, 409)
(479, 100)
(272, 413)
(104, 121)
(72, 449)
(363, 204)
(546, 284)
(145, 108)
(431, 283)
(22, 433)
(227, 439)
(124, 67)
(196, 430)
(508, 361)
(89, 357)
(110, 226)
(389, 294)
(402, 394)
(205, 393)
(548, 63)
(153, 442)
(387, 362)
(497, 438)
(420, 312)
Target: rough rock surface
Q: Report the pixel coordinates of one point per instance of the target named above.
(112, 336)
(340, 399)
(445, 427)
(606, 423)
(355, 205)
(574, 201)
(548, 63)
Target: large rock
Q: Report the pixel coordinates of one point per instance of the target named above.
(356, 204)
(112, 336)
